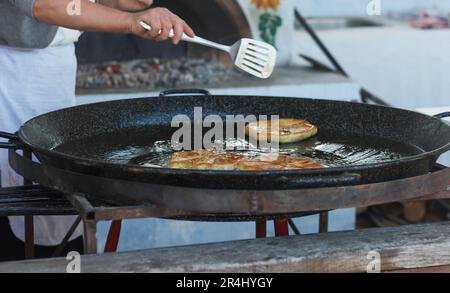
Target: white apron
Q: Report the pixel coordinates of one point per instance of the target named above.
(33, 82)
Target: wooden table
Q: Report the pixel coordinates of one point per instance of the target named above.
(410, 248)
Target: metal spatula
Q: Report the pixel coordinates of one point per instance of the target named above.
(252, 56)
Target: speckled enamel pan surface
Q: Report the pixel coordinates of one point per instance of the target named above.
(56, 137)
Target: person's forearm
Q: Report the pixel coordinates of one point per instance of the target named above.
(92, 17)
(130, 5)
(95, 17)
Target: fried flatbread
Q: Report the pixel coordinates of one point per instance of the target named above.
(288, 131)
(204, 160)
(280, 162)
(213, 160)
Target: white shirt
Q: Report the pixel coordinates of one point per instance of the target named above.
(33, 82)
(65, 36)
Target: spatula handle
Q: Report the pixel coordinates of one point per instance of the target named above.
(195, 39)
(149, 28)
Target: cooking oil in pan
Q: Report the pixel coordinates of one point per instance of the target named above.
(328, 148)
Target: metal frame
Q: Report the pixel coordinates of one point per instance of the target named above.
(91, 215)
(234, 203)
(93, 212)
(278, 204)
(39, 200)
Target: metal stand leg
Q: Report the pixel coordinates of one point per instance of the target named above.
(90, 237)
(29, 222)
(69, 234)
(261, 229)
(29, 237)
(323, 222)
(113, 236)
(294, 227)
(281, 227)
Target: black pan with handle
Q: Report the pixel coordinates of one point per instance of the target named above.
(359, 143)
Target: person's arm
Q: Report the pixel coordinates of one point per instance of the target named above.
(128, 5)
(100, 18)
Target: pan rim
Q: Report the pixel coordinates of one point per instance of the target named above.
(86, 162)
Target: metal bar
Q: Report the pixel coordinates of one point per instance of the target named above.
(443, 194)
(89, 212)
(40, 210)
(29, 237)
(261, 228)
(82, 205)
(31, 199)
(365, 94)
(281, 228)
(142, 211)
(90, 238)
(112, 241)
(319, 42)
(66, 239)
(29, 221)
(251, 202)
(323, 222)
(294, 227)
(30, 190)
(184, 92)
(27, 155)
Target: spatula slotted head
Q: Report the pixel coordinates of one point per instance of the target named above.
(256, 57)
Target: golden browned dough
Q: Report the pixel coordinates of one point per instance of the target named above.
(289, 130)
(280, 162)
(213, 160)
(204, 160)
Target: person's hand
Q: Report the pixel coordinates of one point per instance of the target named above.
(162, 21)
(146, 2)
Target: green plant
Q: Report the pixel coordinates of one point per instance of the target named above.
(268, 27)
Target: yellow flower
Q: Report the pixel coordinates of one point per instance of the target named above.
(266, 4)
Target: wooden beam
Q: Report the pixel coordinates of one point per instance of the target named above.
(428, 270)
(400, 248)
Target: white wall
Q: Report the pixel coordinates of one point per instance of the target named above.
(284, 39)
(358, 7)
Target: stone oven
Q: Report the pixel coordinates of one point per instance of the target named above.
(118, 61)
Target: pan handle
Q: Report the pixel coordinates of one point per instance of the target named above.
(321, 181)
(12, 143)
(442, 115)
(184, 92)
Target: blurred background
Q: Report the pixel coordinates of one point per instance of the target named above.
(381, 51)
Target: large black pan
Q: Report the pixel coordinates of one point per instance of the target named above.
(108, 139)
